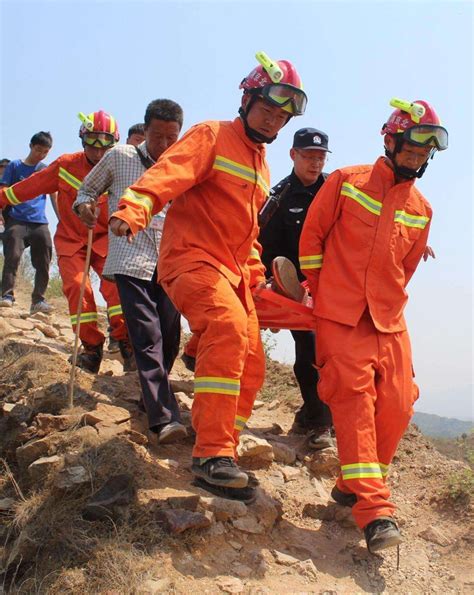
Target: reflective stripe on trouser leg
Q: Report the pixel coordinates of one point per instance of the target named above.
(214, 311)
(71, 269)
(348, 358)
(110, 293)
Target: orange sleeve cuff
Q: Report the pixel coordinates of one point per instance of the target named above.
(132, 215)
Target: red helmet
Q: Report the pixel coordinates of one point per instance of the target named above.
(278, 82)
(417, 122)
(99, 122)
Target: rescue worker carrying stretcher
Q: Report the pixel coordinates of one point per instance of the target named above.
(218, 179)
(361, 243)
(98, 133)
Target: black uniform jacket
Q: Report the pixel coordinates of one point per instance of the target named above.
(281, 235)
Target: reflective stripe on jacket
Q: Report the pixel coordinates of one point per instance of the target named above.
(64, 176)
(362, 241)
(218, 180)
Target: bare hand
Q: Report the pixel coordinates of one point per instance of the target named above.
(428, 252)
(120, 228)
(88, 214)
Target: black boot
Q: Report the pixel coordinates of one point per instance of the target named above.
(90, 358)
(126, 351)
(381, 534)
(220, 471)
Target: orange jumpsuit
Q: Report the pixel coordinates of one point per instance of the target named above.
(70, 240)
(218, 180)
(361, 243)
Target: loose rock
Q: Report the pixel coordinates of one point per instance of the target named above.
(178, 521)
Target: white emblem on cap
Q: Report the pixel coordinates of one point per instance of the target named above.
(316, 139)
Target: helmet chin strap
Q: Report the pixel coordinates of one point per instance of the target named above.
(400, 170)
(253, 134)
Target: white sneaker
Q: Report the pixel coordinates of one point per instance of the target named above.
(171, 433)
(6, 302)
(41, 306)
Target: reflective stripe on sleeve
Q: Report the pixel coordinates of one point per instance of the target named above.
(240, 422)
(314, 261)
(11, 196)
(69, 178)
(418, 221)
(216, 384)
(142, 200)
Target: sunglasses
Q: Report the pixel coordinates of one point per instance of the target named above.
(98, 139)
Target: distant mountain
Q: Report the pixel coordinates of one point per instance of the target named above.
(441, 427)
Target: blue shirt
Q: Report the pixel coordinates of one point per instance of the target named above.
(31, 211)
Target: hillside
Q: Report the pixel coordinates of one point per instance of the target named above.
(89, 504)
(441, 427)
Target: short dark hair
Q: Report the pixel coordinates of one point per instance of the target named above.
(136, 129)
(164, 109)
(4, 161)
(42, 138)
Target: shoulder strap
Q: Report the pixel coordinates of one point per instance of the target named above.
(146, 161)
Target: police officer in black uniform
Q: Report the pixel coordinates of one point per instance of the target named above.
(280, 237)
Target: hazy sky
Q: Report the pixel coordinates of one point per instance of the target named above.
(59, 58)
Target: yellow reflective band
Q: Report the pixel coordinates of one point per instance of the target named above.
(115, 310)
(85, 317)
(315, 261)
(11, 197)
(142, 200)
(254, 254)
(366, 201)
(240, 171)
(240, 422)
(384, 469)
(361, 471)
(409, 220)
(216, 384)
(69, 178)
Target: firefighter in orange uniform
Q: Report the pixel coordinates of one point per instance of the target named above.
(218, 179)
(361, 243)
(98, 132)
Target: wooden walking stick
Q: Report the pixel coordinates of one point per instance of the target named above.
(78, 323)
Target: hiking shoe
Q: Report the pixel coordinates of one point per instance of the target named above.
(171, 433)
(7, 301)
(285, 279)
(246, 495)
(220, 471)
(320, 438)
(381, 534)
(41, 306)
(126, 351)
(343, 498)
(189, 361)
(113, 345)
(90, 358)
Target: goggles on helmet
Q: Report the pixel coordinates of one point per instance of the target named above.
(427, 134)
(283, 95)
(98, 139)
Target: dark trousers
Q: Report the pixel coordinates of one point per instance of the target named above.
(18, 236)
(314, 413)
(154, 329)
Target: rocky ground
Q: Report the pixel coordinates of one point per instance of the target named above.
(89, 504)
